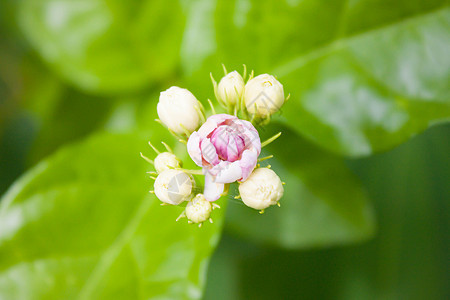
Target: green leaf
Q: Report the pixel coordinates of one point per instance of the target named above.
(361, 94)
(364, 76)
(83, 225)
(105, 46)
(323, 203)
(61, 122)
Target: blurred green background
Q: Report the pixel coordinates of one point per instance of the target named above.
(406, 259)
(364, 149)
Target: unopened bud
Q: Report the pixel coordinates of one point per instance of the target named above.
(230, 88)
(173, 186)
(165, 161)
(178, 110)
(198, 209)
(264, 95)
(262, 189)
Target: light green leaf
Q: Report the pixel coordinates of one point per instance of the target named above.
(323, 203)
(82, 225)
(105, 46)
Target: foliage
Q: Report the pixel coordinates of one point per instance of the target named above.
(364, 76)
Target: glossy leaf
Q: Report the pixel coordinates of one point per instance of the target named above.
(374, 90)
(364, 76)
(105, 46)
(82, 225)
(323, 204)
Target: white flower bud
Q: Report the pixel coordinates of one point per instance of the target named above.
(198, 209)
(177, 109)
(262, 189)
(264, 95)
(165, 161)
(230, 88)
(173, 186)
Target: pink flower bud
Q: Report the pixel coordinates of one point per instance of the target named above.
(227, 149)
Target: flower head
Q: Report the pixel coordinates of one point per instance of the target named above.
(178, 110)
(230, 88)
(262, 189)
(227, 149)
(173, 186)
(264, 95)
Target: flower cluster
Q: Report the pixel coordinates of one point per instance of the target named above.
(226, 146)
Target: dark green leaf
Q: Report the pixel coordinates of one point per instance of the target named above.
(73, 116)
(323, 204)
(83, 225)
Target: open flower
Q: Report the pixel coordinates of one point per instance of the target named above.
(227, 149)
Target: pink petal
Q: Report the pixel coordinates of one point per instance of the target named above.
(252, 140)
(219, 139)
(240, 144)
(248, 125)
(250, 134)
(209, 152)
(212, 190)
(220, 118)
(213, 122)
(248, 163)
(232, 150)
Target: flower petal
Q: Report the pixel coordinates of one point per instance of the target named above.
(227, 172)
(209, 152)
(193, 148)
(220, 118)
(252, 140)
(248, 163)
(212, 190)
(207, 127)
(248, 125)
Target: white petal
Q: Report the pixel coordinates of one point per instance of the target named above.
(193, 148)
(212, 190)
(207, 128)
(227, 172)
